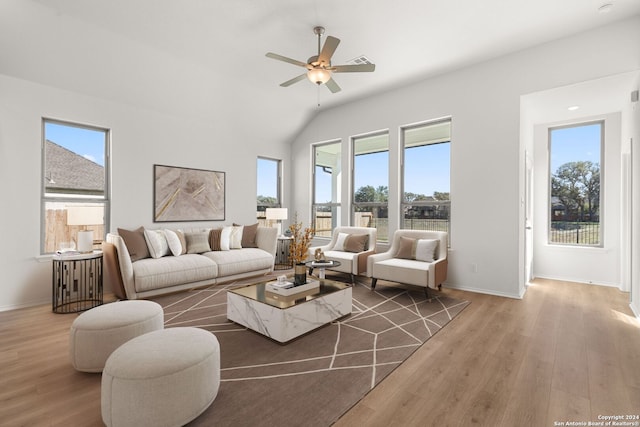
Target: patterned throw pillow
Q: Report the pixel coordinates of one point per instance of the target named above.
(215, 236)
(197, 242)
(236, 237)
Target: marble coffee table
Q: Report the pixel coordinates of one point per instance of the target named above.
(283, 318)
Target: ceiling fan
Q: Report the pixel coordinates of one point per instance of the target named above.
(319, 68)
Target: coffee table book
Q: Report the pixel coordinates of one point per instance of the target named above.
(287, 291)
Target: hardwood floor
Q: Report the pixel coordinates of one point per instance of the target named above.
(566, 352)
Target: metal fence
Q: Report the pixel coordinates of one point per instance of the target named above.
(574, 233)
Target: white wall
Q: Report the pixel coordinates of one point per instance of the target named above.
(140, 139)
(635, 226)
(599, 265)
(487, 182)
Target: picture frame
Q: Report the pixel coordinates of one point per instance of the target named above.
(187, 194)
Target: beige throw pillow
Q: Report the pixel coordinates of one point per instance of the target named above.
(249, 235)
(135, 243)
(197, 242)
(405, 248)
(356, 243)
(418, 249)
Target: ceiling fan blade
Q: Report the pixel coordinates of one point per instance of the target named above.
(333, 86)
(285, 59)
(330, 45)
(359, 68)
(294, 80)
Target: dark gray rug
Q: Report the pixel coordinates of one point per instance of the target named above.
(316, 378)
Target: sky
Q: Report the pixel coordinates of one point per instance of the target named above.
(575, 143)
(427, 168)
(85, 142)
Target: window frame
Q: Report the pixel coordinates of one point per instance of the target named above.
(279, 183)
(68, 197)
(354, 204)
(550, 173)
(402, 202)
(335, 207)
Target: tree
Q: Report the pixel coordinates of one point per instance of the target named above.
(370, 194)
(577, 186)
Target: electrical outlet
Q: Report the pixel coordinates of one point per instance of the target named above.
(474, 267)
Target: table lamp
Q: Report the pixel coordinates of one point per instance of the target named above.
(277, 214)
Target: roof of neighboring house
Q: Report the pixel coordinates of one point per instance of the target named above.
(66, 170)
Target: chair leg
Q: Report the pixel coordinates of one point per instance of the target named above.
(426, 292)
(373, 283)
(353, 279)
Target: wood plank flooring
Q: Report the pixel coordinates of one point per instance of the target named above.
(566, 352)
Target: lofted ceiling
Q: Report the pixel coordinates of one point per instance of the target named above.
(205, 59)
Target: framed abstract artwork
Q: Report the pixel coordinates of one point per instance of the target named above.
(184, 194)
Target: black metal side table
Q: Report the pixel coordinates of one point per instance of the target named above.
(77, 282)
(283, 262)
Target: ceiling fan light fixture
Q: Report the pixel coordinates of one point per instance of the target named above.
(318, 75)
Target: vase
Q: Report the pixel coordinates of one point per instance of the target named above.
(299, 274)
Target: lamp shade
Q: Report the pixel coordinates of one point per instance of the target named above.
(276, 213)
(85, 215)
(318, 75)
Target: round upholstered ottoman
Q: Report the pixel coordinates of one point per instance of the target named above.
(163, 378)
(96, 333)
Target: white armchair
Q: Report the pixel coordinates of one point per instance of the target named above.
(353, 253)
(415, 257)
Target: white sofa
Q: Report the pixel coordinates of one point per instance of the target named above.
(154, 276)
(353, 263)
(393, 266)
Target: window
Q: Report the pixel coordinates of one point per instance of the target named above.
(575, 156)
(327, 173)
(370, 198)
(426, 175)
(269, 186)
(74, 184)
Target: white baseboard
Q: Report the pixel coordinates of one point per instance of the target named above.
(25, 305)
(482, 291)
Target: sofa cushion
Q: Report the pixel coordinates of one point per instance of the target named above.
(135, 242)
(239, 261)
(197, 242)
(345, 258)
(170, 271)
(402, 270)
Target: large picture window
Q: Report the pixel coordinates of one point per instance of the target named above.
(269, 183)
(327, 174)
(75, 194)
(370, 198)
(426, 201)
(575, 156)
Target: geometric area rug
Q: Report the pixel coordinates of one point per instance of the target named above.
(314, 379)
